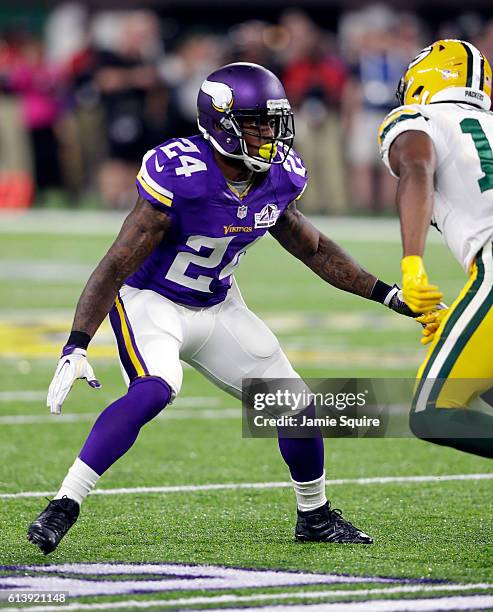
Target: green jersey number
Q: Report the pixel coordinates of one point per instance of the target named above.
(483, 147)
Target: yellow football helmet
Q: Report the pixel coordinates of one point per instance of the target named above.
(447, 71)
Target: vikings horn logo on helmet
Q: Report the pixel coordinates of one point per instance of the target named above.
(220, 93)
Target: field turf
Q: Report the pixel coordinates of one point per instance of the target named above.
(424, 530)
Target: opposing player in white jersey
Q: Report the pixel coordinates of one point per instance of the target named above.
(439, 145)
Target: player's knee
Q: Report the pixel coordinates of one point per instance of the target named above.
(153, 393)
(416, 423)
(425, 424)
(274, 366)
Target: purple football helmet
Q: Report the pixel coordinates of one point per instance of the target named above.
(246, 99)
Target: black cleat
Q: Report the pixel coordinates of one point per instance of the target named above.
(52, 524)
(327, 525)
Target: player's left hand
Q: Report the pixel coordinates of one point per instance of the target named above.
(72, 365)
(431, 321)
(420, 296)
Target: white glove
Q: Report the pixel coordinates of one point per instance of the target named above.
(73, 364)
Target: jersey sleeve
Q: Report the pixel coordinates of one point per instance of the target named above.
(173, 172)
(298, 197)
(296, 175)
(153, 180)
(400, 120)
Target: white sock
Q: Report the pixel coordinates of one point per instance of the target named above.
(79, 482)
(310, 495)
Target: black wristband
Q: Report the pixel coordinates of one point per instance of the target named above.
(79, 339)
(380, 291)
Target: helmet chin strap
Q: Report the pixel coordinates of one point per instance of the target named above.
(255, 165)
(252, 164)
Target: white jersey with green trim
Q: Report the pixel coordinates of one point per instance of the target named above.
(463, 139)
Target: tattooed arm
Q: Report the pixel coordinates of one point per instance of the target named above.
(303, 240)
(327, 259)
(141, 232)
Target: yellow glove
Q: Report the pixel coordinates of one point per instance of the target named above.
(431, 321)
(418, 294)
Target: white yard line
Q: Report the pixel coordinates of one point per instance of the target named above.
(22, 396)
(45, 271)
(262, 485)
(36, 396)
(78, 417)
(95, 223)
(472, 602)
(196, 406)
(61, 222)
(219, 599)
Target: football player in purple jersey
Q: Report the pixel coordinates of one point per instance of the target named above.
(167, 283)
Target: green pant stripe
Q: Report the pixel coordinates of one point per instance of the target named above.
(458, 312)
(454, 354)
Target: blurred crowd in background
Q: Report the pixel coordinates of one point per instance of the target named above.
(84, 97)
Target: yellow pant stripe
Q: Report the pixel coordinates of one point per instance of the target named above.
(128, 340)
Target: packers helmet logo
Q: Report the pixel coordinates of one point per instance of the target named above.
(449, 74)
(447, 70)
(221, 95)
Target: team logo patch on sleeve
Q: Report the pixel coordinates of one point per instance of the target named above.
(267, 217)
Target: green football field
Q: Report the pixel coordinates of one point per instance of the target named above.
(177, 521)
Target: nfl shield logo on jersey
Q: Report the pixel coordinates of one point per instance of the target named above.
(267, 217)
(241, 213)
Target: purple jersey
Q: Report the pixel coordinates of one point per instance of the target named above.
(211, 226)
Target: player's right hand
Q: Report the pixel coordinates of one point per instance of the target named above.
(418, 294)
(431, 321)
(72, 365)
